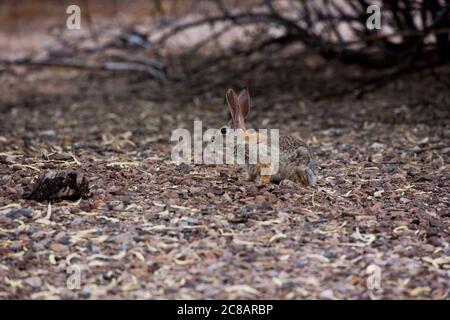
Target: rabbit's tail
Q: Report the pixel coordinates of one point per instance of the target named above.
(311, 176)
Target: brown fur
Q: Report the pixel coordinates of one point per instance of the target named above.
(296, 161)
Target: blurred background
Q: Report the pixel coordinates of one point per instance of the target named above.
(338, 25)
(318, 58)
(204, 37)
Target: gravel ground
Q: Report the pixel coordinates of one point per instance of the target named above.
(376, 225)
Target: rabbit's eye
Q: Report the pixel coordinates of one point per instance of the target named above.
(223, 130)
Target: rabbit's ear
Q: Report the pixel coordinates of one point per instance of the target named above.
(244, 102)
(233, 103)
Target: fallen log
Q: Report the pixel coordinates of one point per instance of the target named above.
(57, 186)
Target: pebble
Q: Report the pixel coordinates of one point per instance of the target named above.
(327, 294)
(259, 200)
(33, 281)
(183, 168)
(17, 213)
(195, 190)
(5, 221)
(16, 246)
(57, 247)
(377, 146)
(38, 235)
(62, 238)
(226, 197)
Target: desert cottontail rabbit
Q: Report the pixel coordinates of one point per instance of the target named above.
(296, 163)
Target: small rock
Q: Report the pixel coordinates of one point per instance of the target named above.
(262, 203)
(10, 159)
(376, 158)
(39, 246)
(62, 238)
(115, 190)
(183, 168)
(344, 147)
(327, 294)
(404, 200)
(16, 246)
(34, 281)
(85, 293)
(217, 191)
(288, 184)
(226, 197)
(259, 200)
(336, 131)
(17, 213)
(57, 247)
(5, 221)
(38, 235)
(377, 146)
(48, 134)
(242, 216)
(195, 190)
(65, 241)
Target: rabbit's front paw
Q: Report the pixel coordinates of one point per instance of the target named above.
(264, 180)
